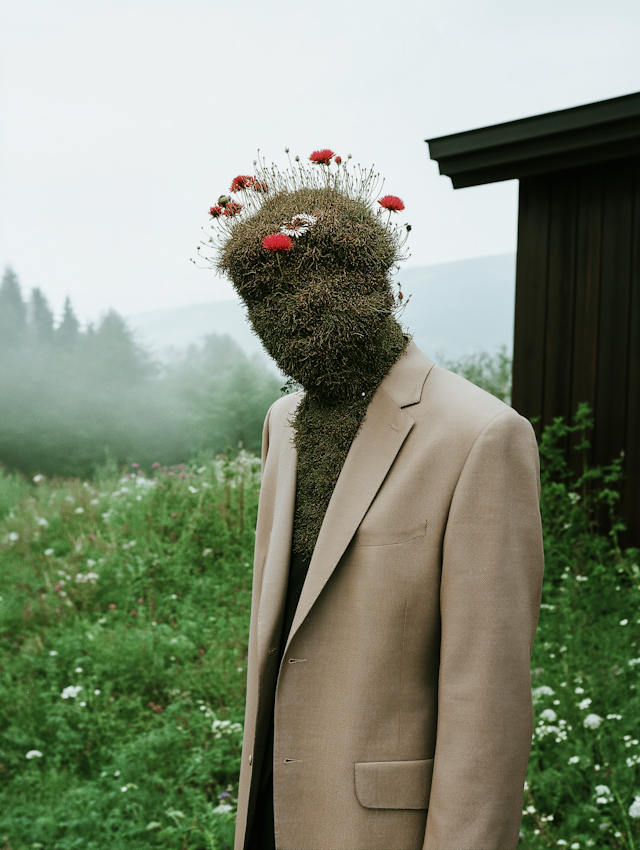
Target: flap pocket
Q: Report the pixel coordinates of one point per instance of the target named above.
(394, 784)
(376, 536)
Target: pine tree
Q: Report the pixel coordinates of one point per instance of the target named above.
(68, 331)
(40, 318)
(116, 353)
(13, 312)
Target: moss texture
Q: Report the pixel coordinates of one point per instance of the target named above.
(324, 312)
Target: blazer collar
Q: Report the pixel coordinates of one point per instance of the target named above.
(380, 438)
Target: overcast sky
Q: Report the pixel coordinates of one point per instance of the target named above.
(121, 122)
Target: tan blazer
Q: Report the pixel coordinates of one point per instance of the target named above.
(403, 714)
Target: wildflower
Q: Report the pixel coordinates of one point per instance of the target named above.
(633, 662)
(71, 692)
(206, 552)
(216, 211)
(48, 551)
(83, 704)
(391, 203)
(322, 157)
(579, 690)
(112, 606)
(634, 809)
(574, 760)
(192, 489)
(549, 714)
(134, 613)
(34, 754)
(232, 208)
(241, 182)
(124, 788)
(584, 704)
(592, 721)
(543, 690)
(174, 515)
(38, 478)
(222, 808)
(13, 536)
(298, 225)
(42, 522)
(277, 242)
(338, 160)
(97, 692)
(78, 670)
(623, 622)
(79, 510)
(259, 185)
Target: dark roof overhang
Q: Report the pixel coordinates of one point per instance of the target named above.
(582, 135)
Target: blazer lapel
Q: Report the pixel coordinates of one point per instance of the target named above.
(383, 431)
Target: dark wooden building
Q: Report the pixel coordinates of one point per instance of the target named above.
(577, 315)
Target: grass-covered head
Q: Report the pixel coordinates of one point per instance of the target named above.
(312, 264)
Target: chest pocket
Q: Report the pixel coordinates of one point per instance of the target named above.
(371, 535)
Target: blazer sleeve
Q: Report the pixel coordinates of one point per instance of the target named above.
(492, 565)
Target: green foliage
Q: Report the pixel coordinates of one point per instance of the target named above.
(584, 770)
(123, 634)
(71, 399)
(491, 372)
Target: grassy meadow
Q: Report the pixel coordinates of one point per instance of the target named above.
(123, 636)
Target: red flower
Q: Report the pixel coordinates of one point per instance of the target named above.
(277, 242)
(259, 185)
(391, 203)
(112, 606)
(242, 181)
(134, 613)
(216, 211)
(323, 157)
(232, 208)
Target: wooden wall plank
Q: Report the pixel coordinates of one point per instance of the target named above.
(531, 296)
(561, 281)
(587, 296)
(613, 329)
(631, 503)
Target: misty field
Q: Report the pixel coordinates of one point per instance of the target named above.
(123, 634)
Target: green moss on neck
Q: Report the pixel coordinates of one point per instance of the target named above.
(325, 428)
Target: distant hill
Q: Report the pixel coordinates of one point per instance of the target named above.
(455, 308)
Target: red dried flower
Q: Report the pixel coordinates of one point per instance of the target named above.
(242, 181)
(216, 211)
(232, 208)
(322, 157)
(338, 160)
(391, 203)
(277, 242)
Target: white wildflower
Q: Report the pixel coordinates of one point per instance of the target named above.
(634, 809)
(38, 478)
(79, 510)
(549, 714)
(13, 536)
(579, 690)
(221, 808)
(192, 489)
(592, 721)
(574, 760)
(97, 692)
(623, 622)
(633, 662)
(117, 774)
(48, 551)
(53, 652)
(71, 691)
(78, 670)
(298, 225)
(602, 791)
(584, 704)
(543, 691)
(43, 522)
(614, 717)
(34, 754)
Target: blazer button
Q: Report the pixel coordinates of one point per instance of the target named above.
(251, 759)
